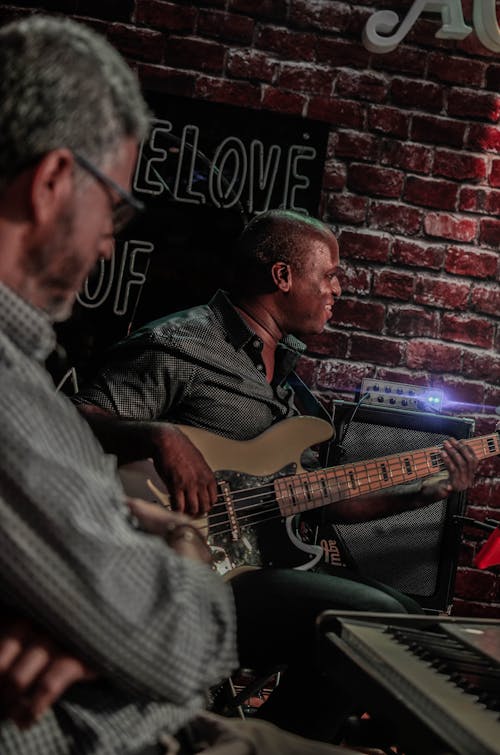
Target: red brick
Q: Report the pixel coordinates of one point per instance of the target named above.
(330, 17)
(482, 492)
(233, 93)
(476, 331)
(347, 208)
(412, 322)
(141, 44)
(440, 195)
(418, 254)
(195, 54)
(112, 10)
(272, 9)
(469, 262)
(403, 376)
(492, 400)
(484, 138)
(466, 554)
(449, 227)
(482, 366)
(486, 299)
(459, 166)
(250, 64)
(361, 85)
(225, 26)
(396, 218)
(284, 102)
(474, 199)
(461, 395)
(370, 179)
(334, 175)
(434, 130)
(465, 103)
(389, 120)
(286, 44)
(355, 144)
(412, 157)
(338, 52)
(168, 16)
(489, 233)
(433, 356)
(495, 173)
(345, 376)
(474, 584)
(403, 59)
(423, 34)
(305, 77)
(354, 279)
(338, 112)
(332, 343)
(393, 285)
(367, 246)
(163, 79)
(376, 350)
(452, 70)
(493, 77)
(438, 292)
(356, 313)
(417, 94)
(475, 609)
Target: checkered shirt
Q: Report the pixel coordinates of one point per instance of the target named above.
(202, 367)
(158, 628)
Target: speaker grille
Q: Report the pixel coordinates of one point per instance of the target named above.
(413, 551)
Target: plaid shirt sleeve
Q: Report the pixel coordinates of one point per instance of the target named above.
(153, 622)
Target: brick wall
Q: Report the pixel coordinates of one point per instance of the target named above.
(411, 185)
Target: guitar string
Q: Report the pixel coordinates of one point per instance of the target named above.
(315, 486)
(268, 506)
(342, 487)
(266, 509)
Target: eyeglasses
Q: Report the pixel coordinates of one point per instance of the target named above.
(128, 206)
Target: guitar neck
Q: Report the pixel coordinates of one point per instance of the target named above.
(311, 490)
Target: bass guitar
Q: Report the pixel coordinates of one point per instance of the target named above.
(262, 487)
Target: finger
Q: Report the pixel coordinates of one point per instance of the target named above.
(14, 636)
(213, 491)
(61, 674)
(204, 501)
(153, 518)
(27, 668)
(193, 505)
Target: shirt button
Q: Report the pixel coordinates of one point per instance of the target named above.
(260, 367)
(256, 344)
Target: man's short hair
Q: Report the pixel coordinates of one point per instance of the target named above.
(273, 236)
(62, 85)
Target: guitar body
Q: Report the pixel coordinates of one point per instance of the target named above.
(262, 487)
(246, 470)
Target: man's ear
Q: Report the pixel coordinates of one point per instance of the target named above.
(51, 185)
(282, 276)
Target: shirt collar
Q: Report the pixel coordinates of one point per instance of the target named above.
(28, 327)
(239, 332)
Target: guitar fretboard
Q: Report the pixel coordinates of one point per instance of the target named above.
(311, 490)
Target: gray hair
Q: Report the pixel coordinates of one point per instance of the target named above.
(62, 85)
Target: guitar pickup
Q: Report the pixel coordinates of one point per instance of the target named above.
(234, 527)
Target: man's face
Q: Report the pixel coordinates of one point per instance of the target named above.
(314, 288)
(83, 234)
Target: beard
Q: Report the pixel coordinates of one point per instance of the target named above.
(57, 267)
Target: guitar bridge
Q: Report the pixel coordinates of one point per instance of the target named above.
(231, 515)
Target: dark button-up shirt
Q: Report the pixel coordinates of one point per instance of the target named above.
(201, 367)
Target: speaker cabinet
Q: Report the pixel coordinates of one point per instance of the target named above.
(416, 551)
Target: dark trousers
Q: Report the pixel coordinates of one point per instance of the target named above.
(276, 613)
